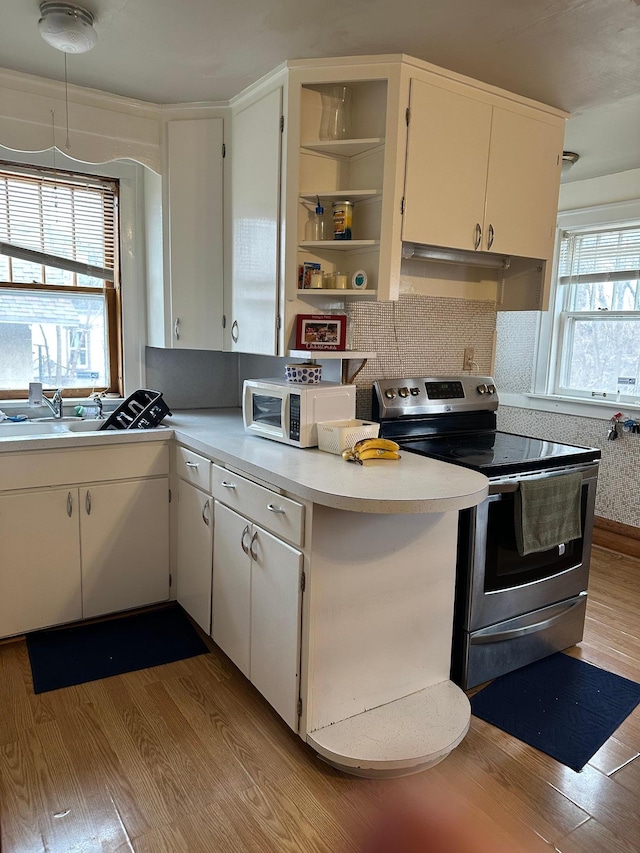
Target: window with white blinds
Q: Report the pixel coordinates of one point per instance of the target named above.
(599, 329)
(59, 287)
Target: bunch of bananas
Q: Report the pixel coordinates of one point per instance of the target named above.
(371, 448)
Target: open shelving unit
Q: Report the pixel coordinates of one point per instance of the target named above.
(349, 169)
(345, 356)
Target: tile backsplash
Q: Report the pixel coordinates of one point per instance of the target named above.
(419, 336)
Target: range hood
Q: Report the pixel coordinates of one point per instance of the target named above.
(423, 252)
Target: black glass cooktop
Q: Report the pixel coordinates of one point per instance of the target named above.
(500, 453)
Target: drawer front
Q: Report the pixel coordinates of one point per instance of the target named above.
(279, 515)
(44, 468)
(194, 468)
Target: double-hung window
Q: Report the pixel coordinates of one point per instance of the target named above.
(598, 340)
(59, 282)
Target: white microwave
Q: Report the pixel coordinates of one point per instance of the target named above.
(289, 411)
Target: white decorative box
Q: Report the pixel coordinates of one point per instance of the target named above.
(336, 436)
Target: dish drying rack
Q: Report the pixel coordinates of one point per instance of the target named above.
(144, 409)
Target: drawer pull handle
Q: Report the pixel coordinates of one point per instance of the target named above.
(277, 509)
(87, 502)
(252, 553)
(191, 464)
(226, 485)
(244, 533)
(69, 505)
(205, 511)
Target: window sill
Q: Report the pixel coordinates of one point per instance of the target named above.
(599, 410)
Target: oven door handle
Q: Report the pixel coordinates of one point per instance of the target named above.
(488, 635)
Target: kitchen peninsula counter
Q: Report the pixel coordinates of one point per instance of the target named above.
(414, 484)
(367, 655)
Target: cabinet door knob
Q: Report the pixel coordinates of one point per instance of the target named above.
(176, 328)
(87, 502)
(252, 553)
(69, 505)
(235, 332)
(205, 511)
(492, 234)
(478, 239)
(244, 533)
(277, 509)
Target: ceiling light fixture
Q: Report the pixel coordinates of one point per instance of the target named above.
(67, 27)
(568, 159)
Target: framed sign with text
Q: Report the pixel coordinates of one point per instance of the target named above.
(321, 331)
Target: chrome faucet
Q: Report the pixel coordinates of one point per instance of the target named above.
(55, 403)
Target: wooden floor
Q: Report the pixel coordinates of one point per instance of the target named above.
(188, 758)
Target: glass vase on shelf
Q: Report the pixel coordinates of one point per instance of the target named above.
(336, 113)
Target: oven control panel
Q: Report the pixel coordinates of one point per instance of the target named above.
(402, 397)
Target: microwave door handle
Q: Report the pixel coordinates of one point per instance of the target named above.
(247, 407)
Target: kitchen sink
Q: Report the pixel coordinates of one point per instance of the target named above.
(51, 420)
(49, 426)
(84, 425)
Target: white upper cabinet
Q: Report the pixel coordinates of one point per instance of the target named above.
(479, 176)
(446, 171)
(194, 233)
(523, 182)
(427, 157)
(255, 224)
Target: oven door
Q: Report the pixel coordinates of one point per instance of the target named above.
(502, 583)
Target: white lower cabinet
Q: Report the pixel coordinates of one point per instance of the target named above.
(124, 537)
(195, 552)
(73, 548)
(39, 532)
(257, 597)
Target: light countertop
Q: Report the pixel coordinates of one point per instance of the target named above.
(413, 484)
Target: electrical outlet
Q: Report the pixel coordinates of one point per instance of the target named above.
(468, 363)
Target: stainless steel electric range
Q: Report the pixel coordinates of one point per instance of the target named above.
(510, 609)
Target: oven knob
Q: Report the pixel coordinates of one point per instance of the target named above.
(482, 389)
(390, 394)
(414, 391)
(404, 392)
(491, 389)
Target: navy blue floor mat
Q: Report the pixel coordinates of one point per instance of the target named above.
(61, 657)
(562, 706)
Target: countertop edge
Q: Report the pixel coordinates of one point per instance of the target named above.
(311, 474)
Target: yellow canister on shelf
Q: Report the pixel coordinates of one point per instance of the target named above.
(342, 220)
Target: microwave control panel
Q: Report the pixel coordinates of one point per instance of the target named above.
(294, 417)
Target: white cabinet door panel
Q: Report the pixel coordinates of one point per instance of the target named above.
(195, 553)
(231, 586)
(255, 170)
(523, 184)
(40, 572)
(275, 622)
(446, 171)
(124, 539)
(195, 183)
